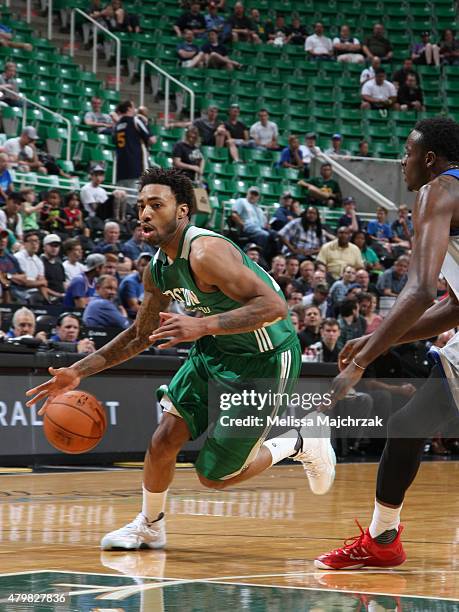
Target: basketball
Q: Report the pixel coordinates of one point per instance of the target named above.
(74, 422)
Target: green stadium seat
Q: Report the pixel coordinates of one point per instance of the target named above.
(215, 154)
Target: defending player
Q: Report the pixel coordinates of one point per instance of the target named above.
(244, 334)
(430, 166)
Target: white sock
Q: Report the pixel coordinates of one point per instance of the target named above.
(153, 503)
(283, 446)
(384, 519)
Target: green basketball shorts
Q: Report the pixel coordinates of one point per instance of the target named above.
(226, 452)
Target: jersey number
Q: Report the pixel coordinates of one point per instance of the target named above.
(121, 140)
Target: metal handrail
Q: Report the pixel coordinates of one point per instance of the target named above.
(97, 26)
(168, 78)
(26, 101)
(354, 180)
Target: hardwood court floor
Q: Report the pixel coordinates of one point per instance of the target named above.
(264, 532)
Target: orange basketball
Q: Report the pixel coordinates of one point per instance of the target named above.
(74, 422)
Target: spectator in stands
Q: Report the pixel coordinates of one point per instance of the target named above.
(9, 85)
(265, 132)
(237, 132)
(136, 245)
(367, 308)
(323, 190)
(318, 297)
(296, 33)
(217, 22)
(187, 156)
(52, 216)
(12, 212)
(364, 150)
(339, 253)
(424, 52)
(96, 201)
(189, 53)
(249, 217)
(72, 214)
(216, 54)
(292, 266)
(36, 285)
(378, 93)
(110, 266)
(369, 73)
(377, 44)
(284, 212)
(409, 95)
(311, 331)
(449, 48)
(6, 182)
(402, 228)
(100, 122)
(340, 288)
(277, 32)
(347, 48)
(392, 281)
(241, 26)
(318, 46)
(329, 346)
(309, 151)
(125, 266)
(303, 236)
(294, 298)
(399, 76)
(362, 278)
(117, 19)
(82, 286)
(100, 310)
(110, 243)
(277, 267)
(369, 256)
(6, 39)
(24, 324)
(305, 281)
(54, 270)
(352, 324)
(211, 129)
(30, 209)
(291, 156)
(381, 232)
(68, 330)
(255, 253)
(22, 152)
(73, 255)
(131, 288)
(335, 150)
(350, 218)
(194, 21)
(131, 137)
(12, 279)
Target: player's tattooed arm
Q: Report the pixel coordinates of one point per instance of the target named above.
(217, 263)
(133, 340)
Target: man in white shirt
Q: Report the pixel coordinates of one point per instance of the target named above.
(32, 266)
(318, 46)
(378, 93)
(97, 201)
(265, 132)
(369, 73)
(309, 151)
(250, 218)
(336, 150)
(74, 253)
(22, 153)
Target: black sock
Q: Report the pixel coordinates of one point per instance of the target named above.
(298, 445)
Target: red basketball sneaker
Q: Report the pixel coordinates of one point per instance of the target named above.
(363, 551)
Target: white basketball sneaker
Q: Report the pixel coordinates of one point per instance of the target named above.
(319, 460)
(138, 534)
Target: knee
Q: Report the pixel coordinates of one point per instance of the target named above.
(217, 485)
(166, 442)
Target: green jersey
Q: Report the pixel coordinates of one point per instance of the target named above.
(176, 280)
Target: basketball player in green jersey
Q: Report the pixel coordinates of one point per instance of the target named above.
(245, 334)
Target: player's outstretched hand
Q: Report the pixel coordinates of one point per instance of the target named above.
(63, 379)
(342, 384)
(351, 348)
(177, 328)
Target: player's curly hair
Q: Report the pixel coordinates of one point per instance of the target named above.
(179, 183)
(440, 135)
